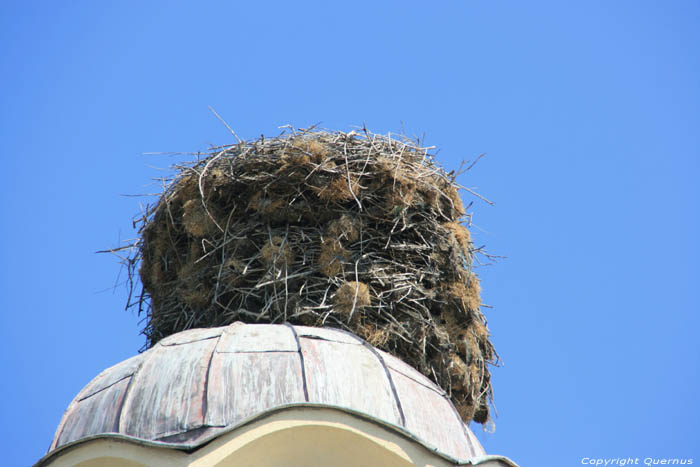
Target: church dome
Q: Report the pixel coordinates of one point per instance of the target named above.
(196, 385)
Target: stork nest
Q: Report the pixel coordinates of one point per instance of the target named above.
(360, 232)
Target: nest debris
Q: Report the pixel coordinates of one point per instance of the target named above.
(361, 232)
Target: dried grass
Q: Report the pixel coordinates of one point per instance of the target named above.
(351, 296)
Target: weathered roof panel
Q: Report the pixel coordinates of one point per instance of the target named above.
(258, 338)
(235, 393)
(398, 365)
(447, 431)
(191, 335)
(193, 385)
(111, 376)
(167, 394)
(97, 413)
(348, 376)
(334, 335)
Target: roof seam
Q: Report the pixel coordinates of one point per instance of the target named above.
(118, 418)
(189, 341)
(391, 381)
(62, 426)
(301, 359)
(465, 429)
(106, 387)
(205, 396)
(320, 338)
(347, 333)
(441, 391)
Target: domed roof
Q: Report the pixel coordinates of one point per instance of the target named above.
(195, 385)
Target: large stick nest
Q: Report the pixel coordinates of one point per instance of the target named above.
(361, 232)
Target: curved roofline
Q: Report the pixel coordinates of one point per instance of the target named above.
(189, 448)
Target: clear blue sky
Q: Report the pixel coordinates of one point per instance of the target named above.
(589, 113)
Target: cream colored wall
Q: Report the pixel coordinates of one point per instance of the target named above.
(311, 446)
(315, 437)
(116, 453)
(110, 462)
(302, 437)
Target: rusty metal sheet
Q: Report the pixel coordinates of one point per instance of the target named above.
(349, 376)
(407, 370)
(257, 338)
(191, 335)
(167, 396)
(244, 384)
(111, 376)
(328, 334)
(422, 407)
(97, 413)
